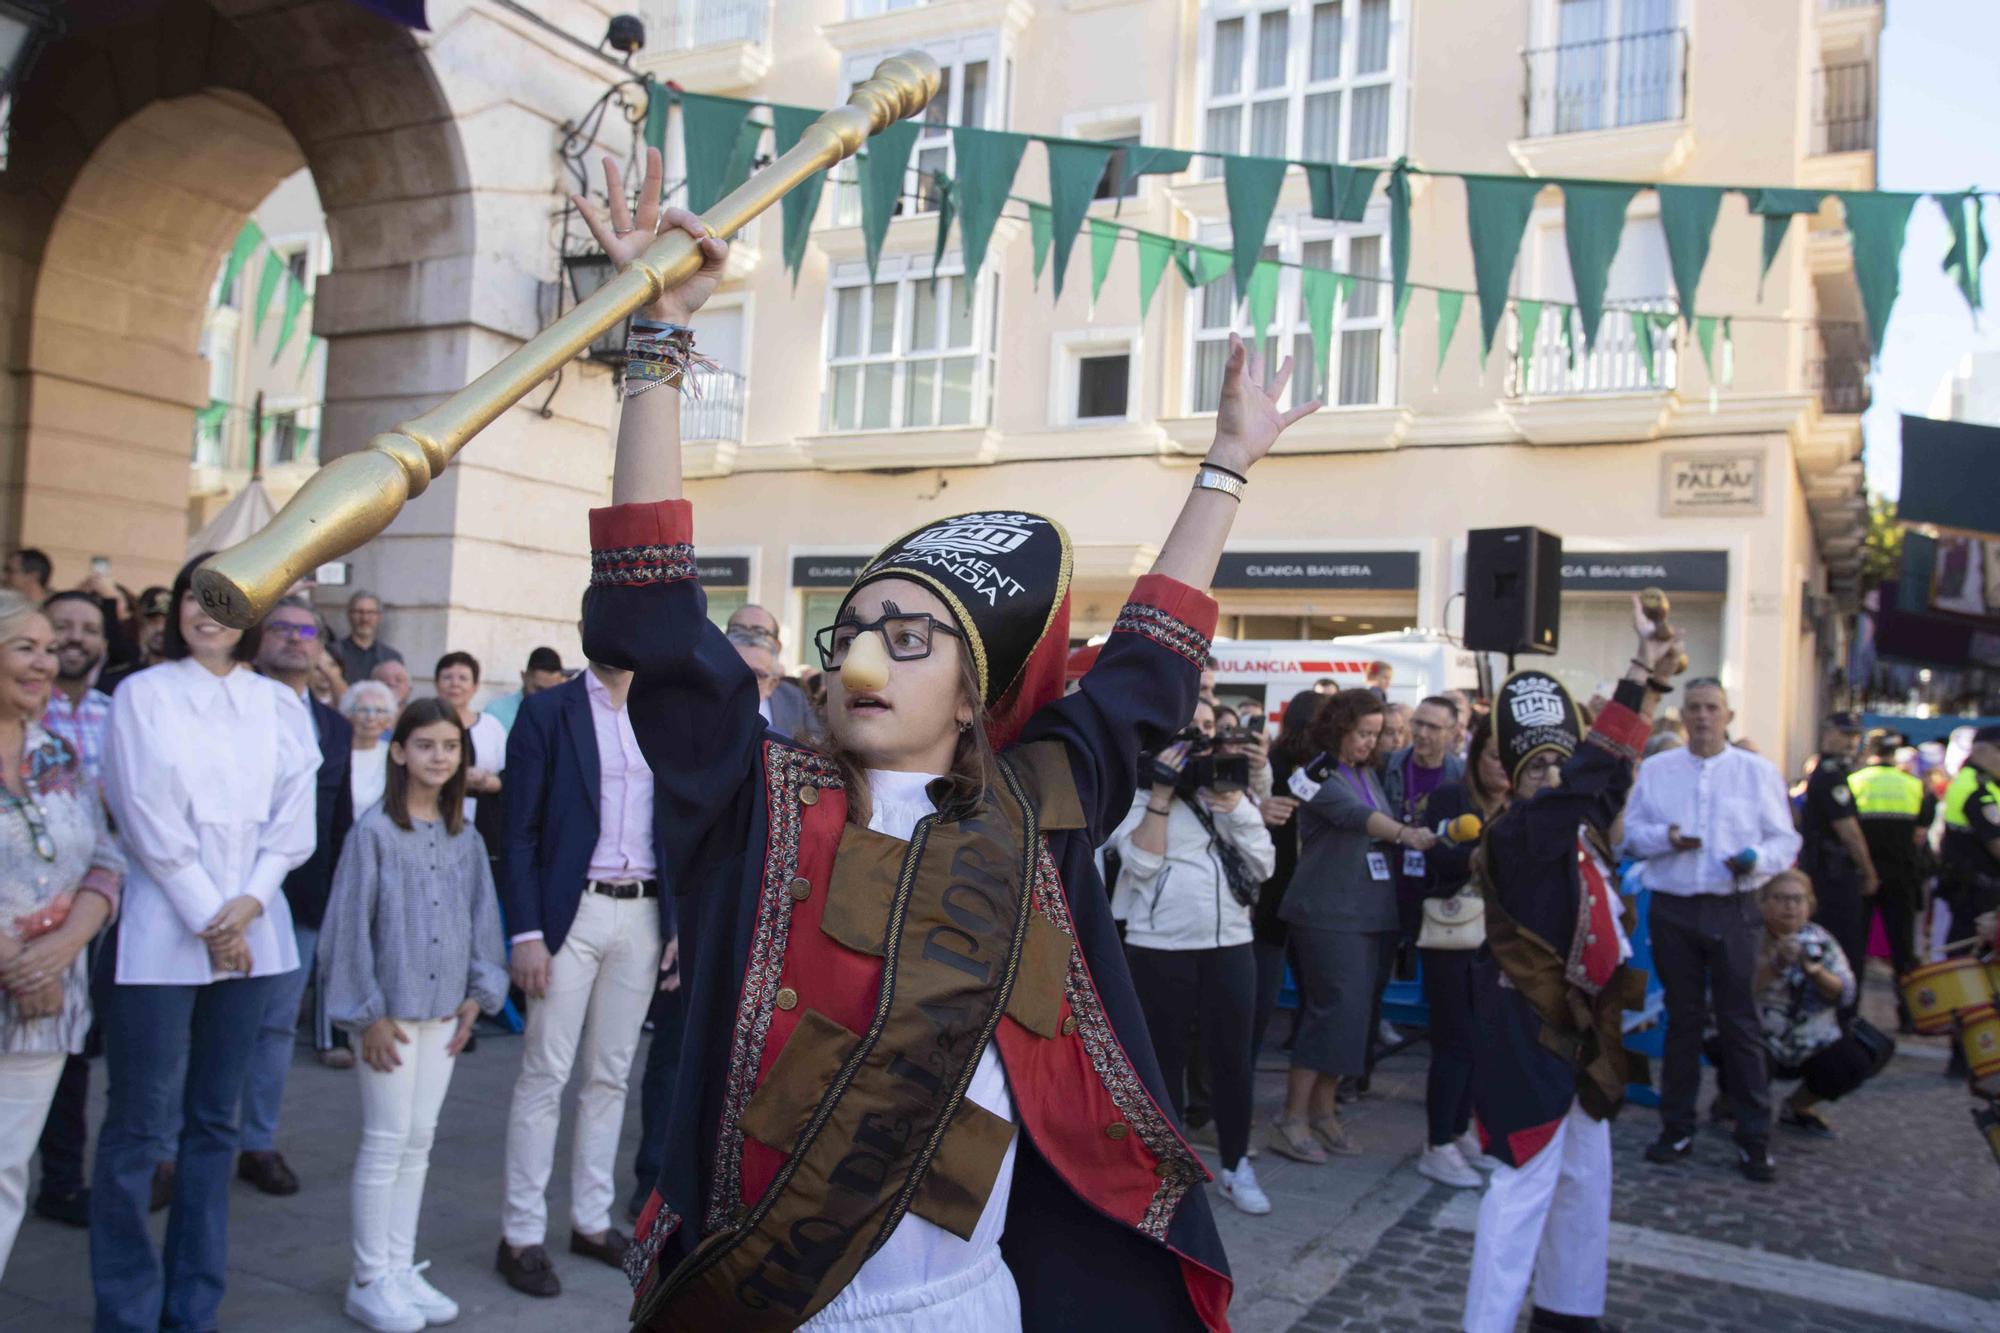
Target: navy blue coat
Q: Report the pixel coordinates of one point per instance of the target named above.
(307, 887)
(554, 778)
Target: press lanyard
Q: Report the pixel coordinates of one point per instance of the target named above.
(1359, 785)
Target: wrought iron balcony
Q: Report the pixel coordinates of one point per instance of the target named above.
(1844, 108)
(715, 410)
(683, 25)
(1616, 365)
(1837, 369)
(1637, 79)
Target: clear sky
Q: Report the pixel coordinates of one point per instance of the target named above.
(1939, 130)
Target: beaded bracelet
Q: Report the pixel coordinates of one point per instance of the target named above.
(658, 353)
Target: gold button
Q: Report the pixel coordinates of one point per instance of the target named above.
(801, 889)
(809, 796)
(1069, 1026)
(1117, 1129)
(788, 998)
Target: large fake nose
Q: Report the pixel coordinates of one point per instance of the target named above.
(866, 666)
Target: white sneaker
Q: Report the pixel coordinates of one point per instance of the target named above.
(1446, 1167)
(1243, 1191)
(1386, 1033)
(1473, 1155)
(432, 1304)
(382, 1306)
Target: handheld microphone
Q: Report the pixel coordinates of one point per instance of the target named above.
(1465, 828)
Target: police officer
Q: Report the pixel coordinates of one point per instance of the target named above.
(1835, 852)
(1894, 810)
(1970, 878)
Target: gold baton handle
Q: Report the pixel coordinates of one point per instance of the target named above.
(353, 498)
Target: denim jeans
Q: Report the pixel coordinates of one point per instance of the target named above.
(149, 1032)
(264, 1089)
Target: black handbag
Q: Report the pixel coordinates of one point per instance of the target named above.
(1880, 1046)
(1243, 885)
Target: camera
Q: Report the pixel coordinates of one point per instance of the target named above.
(1204, 767)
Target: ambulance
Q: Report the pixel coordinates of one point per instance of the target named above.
(1270, 671)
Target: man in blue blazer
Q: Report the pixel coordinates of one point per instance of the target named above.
(592, 935)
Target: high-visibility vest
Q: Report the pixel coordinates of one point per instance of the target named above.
(1957, 795)
(1883, 791)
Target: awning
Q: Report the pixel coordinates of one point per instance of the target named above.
(242, 518)
(1951, 477)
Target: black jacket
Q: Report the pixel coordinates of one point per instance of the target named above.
(306, 888)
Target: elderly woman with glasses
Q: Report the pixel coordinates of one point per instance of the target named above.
(371, 707)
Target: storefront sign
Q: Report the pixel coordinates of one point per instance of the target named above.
(1712, 483)
(723, 571)
(1629, 571)
(826, 571)
(1318, 569)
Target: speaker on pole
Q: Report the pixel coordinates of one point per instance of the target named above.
(1513, 590)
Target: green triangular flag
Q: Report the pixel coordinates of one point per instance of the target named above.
(1261, 298)
(1340, 193)
(658, 102)
(1154, 252)
(987, 161)
(1496, 213)
(1704, 333)
(208, 418)
(1562, 313)
(880, 180)
(1318, 289)
(1148, 160)
(1200, 264)
(1040, 232)
(1728, 349)
(800, 205)
(1450, 304)
(1876, 221)
(1968, 244)
(1528, 314)
(1687, 215)
(1777, 206)
(1402, 308)
(267, 285)
(1593, 224)
(1074, 171)
(313, 343)
(712, 134)
(246, 245)
(947, 209)
(1250, 187)
(1103, 245)
(1399, 236)
(1642, 337)
(295, 301)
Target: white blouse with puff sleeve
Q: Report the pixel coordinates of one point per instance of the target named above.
(211, 780)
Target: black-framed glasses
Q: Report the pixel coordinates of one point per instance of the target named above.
(909, 637)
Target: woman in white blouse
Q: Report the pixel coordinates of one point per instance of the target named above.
(371, 707)
(209, 770)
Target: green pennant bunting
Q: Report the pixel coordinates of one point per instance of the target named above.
(1074, 171)
(1340, 193)
(658, 102)
(1149, 160)
(1154, 252)
(1704, 333)
(1399, 238)
(1496, 213)
(1261, 298)
(947, 209)
(1687, 216)
(1777, 206)
(1728, 349)
(1968, 244)
(246, 245)
(1402, 308)
(1528, 315)
(1318, 289)
(880, 180)
(267, 286)
(1040, 233)
(1450, 305)
(713, 130)
(313, 343)
(1563, 331)
(1876, 221)
(209, 418)
(1103, 246)
(987, 161)
(1642, 338)
(800, 205)
(1200, 264)
(295, 301)
(1250, 187)
(1593, 225)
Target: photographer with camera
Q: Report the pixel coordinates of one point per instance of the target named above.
(1195, 852)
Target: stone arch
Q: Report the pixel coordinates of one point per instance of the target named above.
(141, 142)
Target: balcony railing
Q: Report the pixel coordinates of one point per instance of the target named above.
(682, 25)
(1616, 365)
(1637, 79)
(1844, 108)
(1837, 369)
(715, 412)
(1848, 4)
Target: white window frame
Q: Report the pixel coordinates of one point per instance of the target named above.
(1289, 234)
(953, 55)
(1298, 84)
(1615, 365)
(905, 271)
(1067, 351)
(1545, 36)
(1133, 120)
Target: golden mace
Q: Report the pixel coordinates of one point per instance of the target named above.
(356, 496)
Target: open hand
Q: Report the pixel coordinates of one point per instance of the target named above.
(1247, 419)
(467, 1014)
(624, 236)
(670, 965)
(528, 965)
(379, 1043)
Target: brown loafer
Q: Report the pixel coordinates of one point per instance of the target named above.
(528, 1272)
(267, 1171)
(610, 1250)
(163, 1186)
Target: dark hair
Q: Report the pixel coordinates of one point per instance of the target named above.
(1294, 743)
(1439, 701)
(177, 645)
(544, 659)
(466, 660)
(1340, 715)
(1482, 732)
(77, 595)
(36, 561)
(1220, 709)
(451, 800)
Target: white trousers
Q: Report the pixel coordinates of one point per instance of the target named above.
(601, 983)
(1550, 1218)
(27, 1086)
(978, 1299)
(399, 1116)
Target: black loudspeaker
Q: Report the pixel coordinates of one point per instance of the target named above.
(1513, 590)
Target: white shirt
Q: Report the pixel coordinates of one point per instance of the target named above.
(1731, 801)
(211, 781)
(368, 776)
(489, 747)
(1180, 899)
(920, 1253)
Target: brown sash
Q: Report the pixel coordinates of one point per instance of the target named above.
(951, 950)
